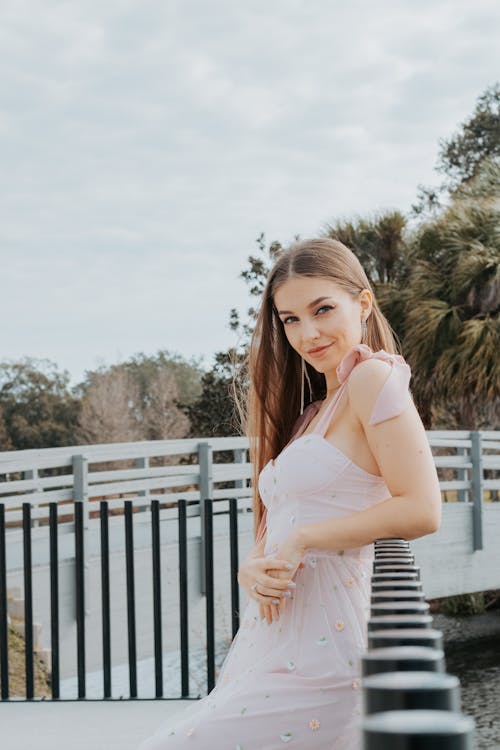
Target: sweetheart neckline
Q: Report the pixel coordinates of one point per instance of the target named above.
(333, 447)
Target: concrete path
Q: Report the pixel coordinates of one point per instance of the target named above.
(81, 725)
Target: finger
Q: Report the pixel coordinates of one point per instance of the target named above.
(278, 566)
(267, 594)
(284, 565)
(275, 609)
(280, 573)
(271, 583)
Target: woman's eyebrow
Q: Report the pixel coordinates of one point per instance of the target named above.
(311, 304)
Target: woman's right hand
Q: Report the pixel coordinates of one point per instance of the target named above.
(256, 570)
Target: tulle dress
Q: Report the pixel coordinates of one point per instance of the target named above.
(296, 682)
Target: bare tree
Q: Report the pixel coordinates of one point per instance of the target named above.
(163, 420)
(110, 405)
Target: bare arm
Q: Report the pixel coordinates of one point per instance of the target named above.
(405, 460)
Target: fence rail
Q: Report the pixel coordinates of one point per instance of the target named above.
(202, 469)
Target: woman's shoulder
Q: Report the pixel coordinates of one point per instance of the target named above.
(370, 370)
(379, 385)
(361, 356)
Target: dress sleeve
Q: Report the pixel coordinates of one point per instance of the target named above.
(394, 395)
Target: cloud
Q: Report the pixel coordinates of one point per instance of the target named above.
(145, 146)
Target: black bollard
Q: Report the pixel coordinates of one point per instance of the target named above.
(399, 608)
(401, 691)
(382, 622)
(392, 569)
(423, 729)
(393, 584)
(380, 562)
(397, 595)
(402, 658)
(397, 550)
(383, 555)
(391, 540)
(382, 638)
(399, 575)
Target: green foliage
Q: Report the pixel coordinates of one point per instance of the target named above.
(212, 414)
(187, 373)
(452, 302)
(462, 157)
(463, 604)
(377, 242)
(255, 276)
(478, 138)
(37, 408)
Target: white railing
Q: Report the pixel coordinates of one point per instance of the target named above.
(75, 474)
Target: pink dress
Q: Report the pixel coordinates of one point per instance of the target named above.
(296, 682)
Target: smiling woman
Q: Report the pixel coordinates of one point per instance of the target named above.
(350, 467)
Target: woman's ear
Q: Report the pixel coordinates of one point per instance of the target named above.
(366, 302)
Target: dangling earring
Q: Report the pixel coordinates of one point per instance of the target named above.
(305, 374)
(363, 330)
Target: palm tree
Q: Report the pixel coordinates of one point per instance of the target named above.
(452, 305)
(378, 242)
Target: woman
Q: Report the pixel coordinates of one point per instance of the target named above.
(357, 467)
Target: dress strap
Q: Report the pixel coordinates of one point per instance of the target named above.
(325, 419)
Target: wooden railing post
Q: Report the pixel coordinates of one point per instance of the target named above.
(477, 490)
(239, 457)
(143, 463)
(462, 495)
(205, 460)
(81, 495)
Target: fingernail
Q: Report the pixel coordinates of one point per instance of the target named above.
(289, 566)
(287, 593)
(292, 585)
(276, 601)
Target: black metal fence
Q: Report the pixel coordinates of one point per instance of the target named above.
(408, 698)
(128, 517)
(409, 701)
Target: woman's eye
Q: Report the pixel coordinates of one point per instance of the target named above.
(323, 307)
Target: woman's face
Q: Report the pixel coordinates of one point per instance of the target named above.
(315, 312)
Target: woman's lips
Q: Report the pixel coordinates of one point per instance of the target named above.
(320, 352)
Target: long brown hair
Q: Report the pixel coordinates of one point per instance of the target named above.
(271, 403)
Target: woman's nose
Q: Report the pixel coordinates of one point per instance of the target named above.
(309, 331)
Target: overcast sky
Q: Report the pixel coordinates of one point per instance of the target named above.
(146, 144)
